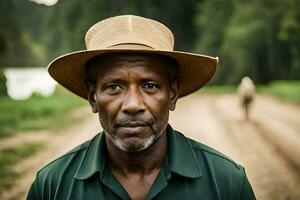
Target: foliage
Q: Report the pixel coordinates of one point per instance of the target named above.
(19, 44)
(37, 112)
(218, 89)
(286, 90)
(255, 38)
(10, 157)
(3, 91)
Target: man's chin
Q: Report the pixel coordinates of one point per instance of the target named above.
(133, 144)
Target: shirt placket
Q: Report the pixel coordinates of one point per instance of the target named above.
(113, 184)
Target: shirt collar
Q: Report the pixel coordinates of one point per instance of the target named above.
(94, 158)
(181, 156)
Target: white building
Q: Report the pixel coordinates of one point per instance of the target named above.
(23, 82)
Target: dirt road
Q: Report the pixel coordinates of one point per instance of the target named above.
(268, 145)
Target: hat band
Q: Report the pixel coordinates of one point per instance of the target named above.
(130, 46)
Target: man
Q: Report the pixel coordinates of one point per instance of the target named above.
(132, 78)
(246, 93)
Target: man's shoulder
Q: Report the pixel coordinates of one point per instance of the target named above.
(212, 154)
(69, 160)
(214, 161)
(201, 150)
(229, 177)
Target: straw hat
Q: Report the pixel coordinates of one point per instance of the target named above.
(129, 33)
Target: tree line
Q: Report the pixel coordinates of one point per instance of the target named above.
(258, 38)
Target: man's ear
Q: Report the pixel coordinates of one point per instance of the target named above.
(91, 93)
(174, 93)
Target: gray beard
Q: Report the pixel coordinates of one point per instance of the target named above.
(118, 142)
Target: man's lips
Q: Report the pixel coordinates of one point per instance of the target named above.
(132, 124)
(132, 128)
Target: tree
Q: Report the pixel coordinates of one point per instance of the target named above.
(17, 47)
(258, 38)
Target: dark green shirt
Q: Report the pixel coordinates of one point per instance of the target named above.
(191, 170)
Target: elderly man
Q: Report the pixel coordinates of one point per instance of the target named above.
(132, 78)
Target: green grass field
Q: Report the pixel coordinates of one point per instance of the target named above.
(218, 89)
(285, 90)
(32, 114)
(37, 112)
(10, 157)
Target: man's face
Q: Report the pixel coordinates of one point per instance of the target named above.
(133, 97)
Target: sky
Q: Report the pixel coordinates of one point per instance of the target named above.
(46, 2)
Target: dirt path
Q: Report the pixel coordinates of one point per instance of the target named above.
(268, 146)
(56, 144)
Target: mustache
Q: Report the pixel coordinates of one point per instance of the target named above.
(133, 121)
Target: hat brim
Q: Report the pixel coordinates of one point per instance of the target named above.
(194, 70)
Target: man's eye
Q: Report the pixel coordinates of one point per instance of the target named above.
(151, 85)
(113, 88)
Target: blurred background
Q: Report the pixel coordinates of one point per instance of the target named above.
(255, 122)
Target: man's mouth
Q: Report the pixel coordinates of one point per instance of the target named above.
(132, 128)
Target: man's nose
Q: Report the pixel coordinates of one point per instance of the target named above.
(133, 102)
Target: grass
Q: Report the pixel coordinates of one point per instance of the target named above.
(10, 157)
(37, 112)
(32, 114)
(285, 90)
(219, 89)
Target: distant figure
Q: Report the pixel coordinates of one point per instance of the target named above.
(246, 92)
